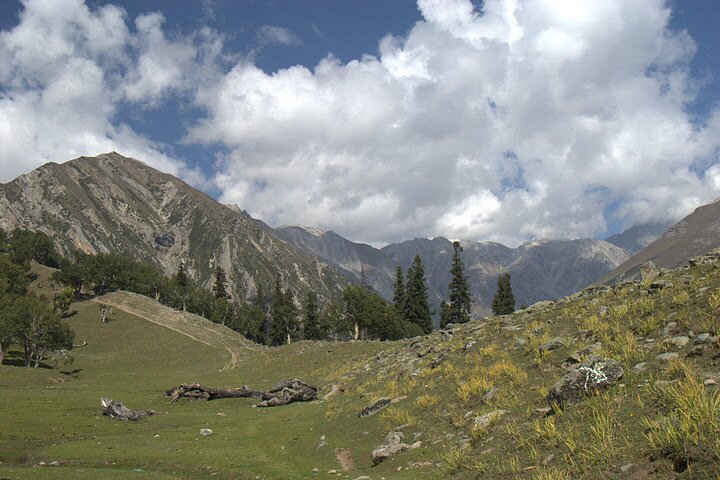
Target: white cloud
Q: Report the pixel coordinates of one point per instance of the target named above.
(65, 69)
(269, 34)
(527, 119)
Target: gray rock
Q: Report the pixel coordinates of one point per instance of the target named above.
(701, 338)
(680, 341)
(666, 357)
(640, 368)
(374, 408)
(489, 394)
(594, 375)
(484, 421)
(552, 344)
(627, 467)
(393, 444)
(648, 271)
(669, 327)
(206, 432)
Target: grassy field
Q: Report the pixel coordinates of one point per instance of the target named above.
(662, 421)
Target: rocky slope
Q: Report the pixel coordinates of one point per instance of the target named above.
(111, 203)
(540, 270)
(696, 234)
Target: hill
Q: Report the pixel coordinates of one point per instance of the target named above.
(475, 397)
(112, 203)
(696, 234)
(540, 270)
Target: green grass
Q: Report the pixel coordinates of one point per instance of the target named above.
(653, 426)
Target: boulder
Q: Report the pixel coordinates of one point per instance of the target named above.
(593, 376)
(484, 421)
(552, 344)
(393, 444)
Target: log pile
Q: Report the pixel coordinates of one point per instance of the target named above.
(284, 393)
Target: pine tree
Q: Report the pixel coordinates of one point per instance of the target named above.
(283, 313)
(445, 317)
(416, 307)
(311, 317)
(504, 300)
(399, 289)
(181, 277)
(460, 300)
(220, 287)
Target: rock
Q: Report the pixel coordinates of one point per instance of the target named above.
(669, 327)
(627, 467)
(54, 463)
(592, 376)
(374, 408)
(580, 355)
(680, 341)
(552, 344)
(489, 394)
(648, 272)
(701, 338)
(659, 285)
(438, 360)
(542, 411)
(695, 351)
(393, 444)
(602, 310)
(206, 432)
(640, 368)
(666, 357)
(709, 382)
(484, 421)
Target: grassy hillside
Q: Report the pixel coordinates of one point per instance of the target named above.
(660, 421)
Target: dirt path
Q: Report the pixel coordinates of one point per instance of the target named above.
(193, 326)
(345, 457)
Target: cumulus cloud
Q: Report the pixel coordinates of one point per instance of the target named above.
(525, 119)
(64, 71)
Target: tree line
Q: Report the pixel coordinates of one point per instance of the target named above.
(33, 322)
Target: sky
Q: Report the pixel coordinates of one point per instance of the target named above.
(502, 120)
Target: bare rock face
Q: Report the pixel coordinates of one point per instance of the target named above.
(393, 444)
(591, 377)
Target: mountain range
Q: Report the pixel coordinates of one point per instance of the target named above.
(111, 203)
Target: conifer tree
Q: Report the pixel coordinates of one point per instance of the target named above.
(181, 277)
(445, 318)
(311, 317)
(416, 307)
(504, 300)
(283, 313)
(460, 300)
(220, 287)
(399, 289)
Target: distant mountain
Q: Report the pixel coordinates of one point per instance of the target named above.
(636, 238)
(111, 203)
(696, 234)
(540, 270)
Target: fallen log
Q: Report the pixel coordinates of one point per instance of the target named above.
(114, 409)
(284, 393)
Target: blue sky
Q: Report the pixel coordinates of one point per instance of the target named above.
(382, 120)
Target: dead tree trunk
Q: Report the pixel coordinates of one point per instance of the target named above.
(114, 409)
(283, 393)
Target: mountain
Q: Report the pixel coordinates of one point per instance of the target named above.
(696, 234)
(112, 203)
(540, 270)
(638, 237)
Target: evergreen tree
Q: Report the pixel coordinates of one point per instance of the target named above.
(504, 301)
(181, 277)
(311, 317)
(399, 289)
(416, 308)
(284, 323)
(460, 300)
(220, 287)
(445, 316)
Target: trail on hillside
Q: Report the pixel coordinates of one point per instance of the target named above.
(193, 326)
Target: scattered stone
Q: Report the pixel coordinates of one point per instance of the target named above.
(695, 351)
(552, 344)
(220, 414)
(667, 357)
(709, 382)
(489, 394)
(334, 390)
(54, 463)
(669, 327)
(438, 360)
(602, 311)
(701, 338)
(662, 383)
(594, 375)
(484, 421)
(393, 444)
(680, 341)
(206, 432)
(583, 353)
(546, 461)
(658, 285)
(420, 464)
(640, 368)
(627, 467)
(542, 411)
(374, 408)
